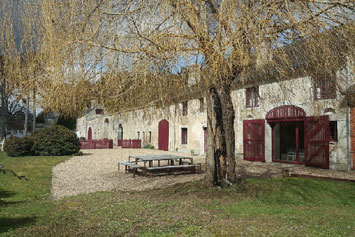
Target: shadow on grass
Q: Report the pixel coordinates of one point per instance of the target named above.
(7, 224)
(6, 194)
(303, 191)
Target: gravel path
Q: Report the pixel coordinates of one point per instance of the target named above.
(97, 170)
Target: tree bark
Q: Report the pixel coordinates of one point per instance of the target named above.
(4, 114)
(3, 117)
(220, 157)
(26, 114)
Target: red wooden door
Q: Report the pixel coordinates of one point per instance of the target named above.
(254, 140)
(317, 142)
(163, 135)
(90, 134)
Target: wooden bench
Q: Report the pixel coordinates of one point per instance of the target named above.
(130, 166)
(169, 168)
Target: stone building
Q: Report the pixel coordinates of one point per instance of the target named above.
(301, 120)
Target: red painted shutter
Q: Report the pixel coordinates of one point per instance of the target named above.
(247, 97)
(183, 135)
(317, 142)
(254, 140)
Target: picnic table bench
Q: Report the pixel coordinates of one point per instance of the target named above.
(170, 168)
(184, 164)
(130, 166)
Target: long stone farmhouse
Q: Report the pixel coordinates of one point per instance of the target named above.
(304, 120)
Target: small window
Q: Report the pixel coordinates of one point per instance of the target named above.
(138, 135)
(183, 136)
(333, 131)
(202, 105)
(184, 108)
(252, 97)
(99, 111)
(143, 137)
(150, 136)
(324, 88)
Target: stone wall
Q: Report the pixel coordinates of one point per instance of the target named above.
(298, 92)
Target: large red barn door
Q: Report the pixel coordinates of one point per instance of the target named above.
(254, 140)
(163, 135)
(317, 142)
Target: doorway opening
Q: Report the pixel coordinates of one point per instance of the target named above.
(120, 132)
(288, 141)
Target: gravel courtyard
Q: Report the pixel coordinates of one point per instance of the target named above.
(97, 170)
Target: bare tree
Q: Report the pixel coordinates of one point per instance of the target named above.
(20, 58)
(9, 60)
(122, 46)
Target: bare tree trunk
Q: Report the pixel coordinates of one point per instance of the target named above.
(3, 110)
(34, 111)
(220, 158)
(26, 113)
(3, 115)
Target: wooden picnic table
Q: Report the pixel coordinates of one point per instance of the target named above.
(151, 158)
(184, 164)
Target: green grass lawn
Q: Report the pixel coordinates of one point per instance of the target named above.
(254, 207)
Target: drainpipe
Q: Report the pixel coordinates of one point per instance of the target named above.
(174, 129)
(348, 148)
(348, 137)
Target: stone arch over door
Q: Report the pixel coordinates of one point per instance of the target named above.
(163, 135)
(89, 133)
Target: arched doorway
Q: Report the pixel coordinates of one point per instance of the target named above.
(297, 138)
(106, 127)
(288, 133)
(163, 135)
(90, 134)
(120, 132)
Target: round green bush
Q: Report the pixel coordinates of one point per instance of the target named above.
(55, 141)
(15, 146)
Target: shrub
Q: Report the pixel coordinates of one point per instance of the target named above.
(55, 141)
(68, 122)
(15, 146)
(148, 146)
